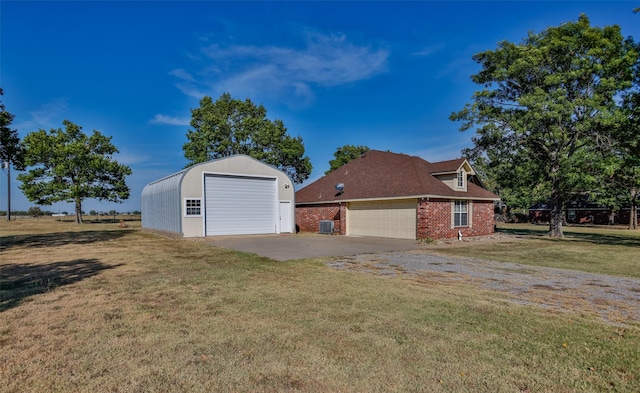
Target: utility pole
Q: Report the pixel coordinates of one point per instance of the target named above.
(8, 164)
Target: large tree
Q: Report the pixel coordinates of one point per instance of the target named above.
(10, 152)
(70, 166)
(547, 105)
(229, 126)
(345, 154)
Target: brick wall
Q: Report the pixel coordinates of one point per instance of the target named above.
(434, 220)
(483, 219)
(308, 217)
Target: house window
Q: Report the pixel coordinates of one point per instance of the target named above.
(461, 214)
(193, 207)
(461, 179)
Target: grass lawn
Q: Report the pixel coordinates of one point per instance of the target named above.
(598, 249)
(95, 308)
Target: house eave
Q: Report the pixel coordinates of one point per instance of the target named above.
(422, 196)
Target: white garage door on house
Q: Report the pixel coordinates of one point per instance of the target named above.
(394, 219)
(240, 205)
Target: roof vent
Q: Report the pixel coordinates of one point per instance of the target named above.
(326, 227)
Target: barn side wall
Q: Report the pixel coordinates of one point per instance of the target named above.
(160, 205)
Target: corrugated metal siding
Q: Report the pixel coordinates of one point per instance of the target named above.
(161, 204)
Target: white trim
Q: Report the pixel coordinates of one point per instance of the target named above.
(185, 207)
(453, 214)
(461, 177)
(227, 174)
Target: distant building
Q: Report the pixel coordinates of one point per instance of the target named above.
(581, 211)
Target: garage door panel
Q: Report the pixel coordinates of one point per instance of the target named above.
(240, 205)
(394, 219)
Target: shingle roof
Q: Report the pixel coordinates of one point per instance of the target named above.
(447, 166)
(383, 175)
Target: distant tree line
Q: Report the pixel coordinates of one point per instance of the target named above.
(36, 211)
(28, 213)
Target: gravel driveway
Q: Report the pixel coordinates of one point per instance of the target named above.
(615, 299)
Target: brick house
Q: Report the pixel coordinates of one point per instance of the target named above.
(393, 195)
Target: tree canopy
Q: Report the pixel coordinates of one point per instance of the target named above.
(229, 126)
(547, 109)
(10, 152)
(345, 154)
(9, 139)
(70, 166)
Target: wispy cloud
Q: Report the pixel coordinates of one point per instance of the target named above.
(187, 84)
(439, 151)
(130, 158)
(176, 121)
(182, 74)
(47, 116)
(428, 51)
(326, 60)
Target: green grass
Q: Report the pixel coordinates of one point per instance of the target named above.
(603, 250)
(149, 314)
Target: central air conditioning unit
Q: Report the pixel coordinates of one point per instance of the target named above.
(326, 226)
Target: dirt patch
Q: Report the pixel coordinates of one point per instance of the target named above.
(615, 299)
(472, 241)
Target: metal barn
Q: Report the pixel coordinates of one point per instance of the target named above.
(236, 195)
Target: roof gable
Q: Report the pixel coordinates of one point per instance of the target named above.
(385, 175)
(452, 166)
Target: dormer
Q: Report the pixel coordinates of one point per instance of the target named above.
(455, 175)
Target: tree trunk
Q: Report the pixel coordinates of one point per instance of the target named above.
(612, 216)
(78, 211)
(633, 214)
(555, 217)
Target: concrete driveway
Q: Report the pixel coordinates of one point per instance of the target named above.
(287, 247)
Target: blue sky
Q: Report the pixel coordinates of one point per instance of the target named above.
(382, 74)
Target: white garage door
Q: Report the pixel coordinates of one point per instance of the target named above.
(395, 219)
(237, 205)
